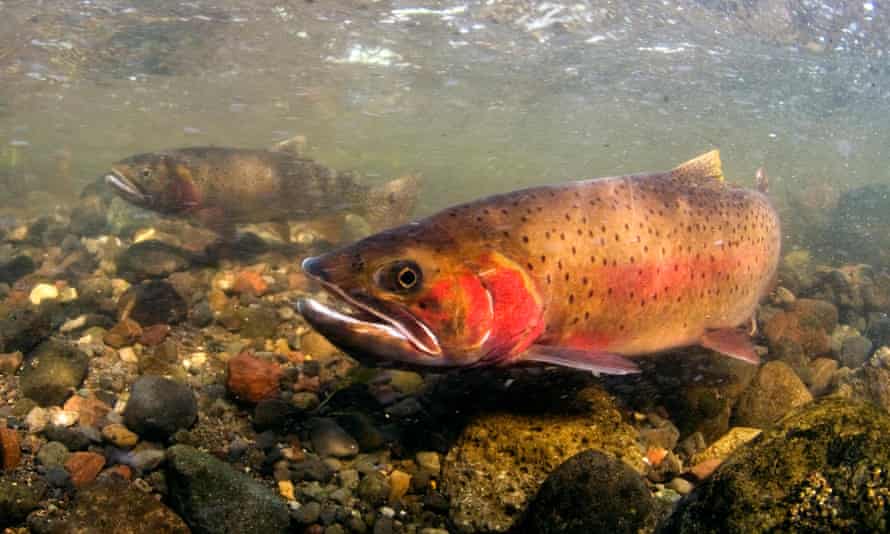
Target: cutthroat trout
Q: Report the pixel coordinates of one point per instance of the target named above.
(587, 274)
(221, 187)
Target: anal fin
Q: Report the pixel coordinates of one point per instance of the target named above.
(732, 342)
(585, 360)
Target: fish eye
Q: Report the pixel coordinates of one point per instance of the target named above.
(400, 276)
(146, 173)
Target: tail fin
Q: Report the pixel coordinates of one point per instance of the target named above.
(704, 169)
(393, 202)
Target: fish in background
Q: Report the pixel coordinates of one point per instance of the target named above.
(587, 274)
(220, 188)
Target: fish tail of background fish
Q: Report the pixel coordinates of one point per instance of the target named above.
(391, 203)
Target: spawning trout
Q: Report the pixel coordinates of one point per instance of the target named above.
(587, 274)
(221, 187)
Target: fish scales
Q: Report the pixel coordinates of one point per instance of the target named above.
(583, 274)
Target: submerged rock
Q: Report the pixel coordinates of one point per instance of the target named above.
(154, 302)
(501, 459)
(822, 469)
(52, 372)
(17, 499)
(213, 498)
(158, 407)
(114, 506)
(151, 259)
(591, 492)
(775, 391)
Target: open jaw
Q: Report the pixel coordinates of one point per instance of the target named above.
(125, 187)
(363, 329)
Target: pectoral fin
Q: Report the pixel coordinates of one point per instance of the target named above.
(732, 342)
(596, 362)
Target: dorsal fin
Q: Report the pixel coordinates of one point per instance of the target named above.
(705, 169)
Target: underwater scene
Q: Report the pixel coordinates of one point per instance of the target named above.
(444, 266)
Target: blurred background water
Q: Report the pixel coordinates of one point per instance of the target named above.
(478, 96)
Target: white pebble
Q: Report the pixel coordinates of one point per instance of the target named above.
(64, 418)
(128, 355)
(43, 292)
(388, 512)
(73, 324)
(37, 419)
(198, 359)
(69, 294)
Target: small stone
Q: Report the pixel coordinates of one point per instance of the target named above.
(305, 401)
(253, 379)
(286, 489)
(42, 292)
(154, 302)
(158, 407)
(428, 460)
(154, 334)
(775, 390)
(84, 467)
(855, 351)
(52, 372)
(681, 486)
(729, 442)
(10, 362)
(363, 429)
(822, 375)
(317, 346)
(120, 436)
(374, 489)
(75, 438)
(308, 513)
(405, 382)
(272, 414)
(151, 259)
(312, 469)
(128, 355)
(53, 454)
(250, 283)
(124, 333)
(10, 449)
(64, 418)
(90, 411)
(17, 500)
(329, 439)
(399, 482)
(704, 469)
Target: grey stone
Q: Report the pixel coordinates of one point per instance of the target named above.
(158, 407)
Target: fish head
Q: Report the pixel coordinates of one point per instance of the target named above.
(419, 300)
(156, 181)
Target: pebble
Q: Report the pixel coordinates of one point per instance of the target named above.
(821, 375)
(84, 467)
(58, 477)
(53, 454)
(286, 489)
(775, 390)
(681, 486)
(42, 292)
(726, 444)
(90, 411)
(10, 362)
(154, 334)
(704, 469)
(399, 482)
(37, 419)
(10, 448)
(120, 436)
(855, 351)
(64, 418)
(52, 372)
(429, 461)
(316, 345)
(329, 439)
(124, 333)
(250, 283)
(305, 401)
(128, 355)
(75, 438)
(312, 469)
(253, 379)
(158, 407)
(374, 489)
(308, 513)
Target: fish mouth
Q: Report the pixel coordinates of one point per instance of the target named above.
(126, 187)
(366, 327)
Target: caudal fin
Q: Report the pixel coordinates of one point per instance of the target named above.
(393, 202)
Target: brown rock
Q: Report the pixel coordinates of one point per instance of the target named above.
(217, 300)
(703, 470)
(252, 379)
(822, 375)
(250, 283)
(298, 281)
(10, 449)
(120, 471)
(154, 334)
(120, 435)
(808, 323)
(729, 442)
(399, 482)
(10, 363)
(84, 467)
(316, 345)
(91, 412)
(774, 392)
(124, 333)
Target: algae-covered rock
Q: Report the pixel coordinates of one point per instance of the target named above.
(824, 468)
(775, 391)
(52, 372)
(501, 459)
(213, 498)
(17, 499)
(591, 492)
(113, 506)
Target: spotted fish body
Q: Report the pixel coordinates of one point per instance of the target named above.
(581, 274)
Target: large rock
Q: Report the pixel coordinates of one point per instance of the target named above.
(775, 391)
(213, 498)
(822, 469)
(154, 302)
(113, 506)
(24, 327)
(158, 407)
(151, 259)
(591, 492)
(52, 372)
(501, 459)
(808, 323)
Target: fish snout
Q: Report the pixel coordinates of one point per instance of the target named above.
(313, 267)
